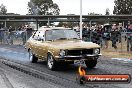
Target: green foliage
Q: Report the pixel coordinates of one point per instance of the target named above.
(107, 11)
(44, 7)
(3, 9)
(122, 7)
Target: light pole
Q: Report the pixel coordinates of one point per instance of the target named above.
(81, 19)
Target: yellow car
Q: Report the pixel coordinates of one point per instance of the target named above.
(59, 45)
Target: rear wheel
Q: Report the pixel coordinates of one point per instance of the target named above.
(32, 57)
(51, 63)
(91, 63)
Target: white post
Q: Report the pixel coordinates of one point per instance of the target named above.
(48, 22)
(5, 24)
(121, 36)
(90, 30)
(81, 19)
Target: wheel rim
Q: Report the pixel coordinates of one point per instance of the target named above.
(30, 56)
(50, 62)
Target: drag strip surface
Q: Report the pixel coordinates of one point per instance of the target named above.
(66, 76)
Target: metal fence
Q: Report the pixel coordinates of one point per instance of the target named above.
(121, 42)
(14, 37)
(117, 43)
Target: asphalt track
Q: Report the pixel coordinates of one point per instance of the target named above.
(64, 77)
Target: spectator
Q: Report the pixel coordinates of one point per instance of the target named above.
(119, 34)
(96, 36)
(105, 36)
(23, 35)
(99, 35)
(19, 29)
(2, 31)
(85, 34)
(129, 38)
(114, 36)
(29, 32)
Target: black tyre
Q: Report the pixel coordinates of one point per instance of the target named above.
(32, 57)
(51, 63)
(91, 63)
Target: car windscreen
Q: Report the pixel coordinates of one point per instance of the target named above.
(60, 34)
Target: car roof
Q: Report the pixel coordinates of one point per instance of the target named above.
(44, 28)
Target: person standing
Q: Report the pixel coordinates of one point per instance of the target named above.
(99, 35)
(10, 34)
(129, 38)
(114, 35)
(2, 39)
(24, 35)
(105, 36)
(29, 31)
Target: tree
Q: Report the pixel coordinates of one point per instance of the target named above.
(122, 7)
(107, 11)
(3, 9)
(43, 7)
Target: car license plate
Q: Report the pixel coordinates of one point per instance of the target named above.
(79, 62)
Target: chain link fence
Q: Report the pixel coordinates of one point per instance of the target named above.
(108, 40)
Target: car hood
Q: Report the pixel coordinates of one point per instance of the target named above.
(77, 44)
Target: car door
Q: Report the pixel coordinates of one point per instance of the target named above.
(44, 43)
(34, 44)
(40, 44)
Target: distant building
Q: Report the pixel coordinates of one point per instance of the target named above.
(12, 14)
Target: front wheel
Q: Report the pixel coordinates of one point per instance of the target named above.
(91, 63)
(51, 63)
(32, 57)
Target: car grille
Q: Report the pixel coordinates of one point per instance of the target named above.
(79, 52)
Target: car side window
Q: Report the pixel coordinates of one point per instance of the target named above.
(48, 35)
(41, 36)
(36, 35)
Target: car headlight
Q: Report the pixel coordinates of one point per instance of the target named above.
(62, 53)
(97, 51)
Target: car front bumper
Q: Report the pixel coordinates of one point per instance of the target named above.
(86, 57)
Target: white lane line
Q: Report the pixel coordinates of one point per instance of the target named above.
(122, 59)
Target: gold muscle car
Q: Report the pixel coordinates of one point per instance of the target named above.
(59, 45)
